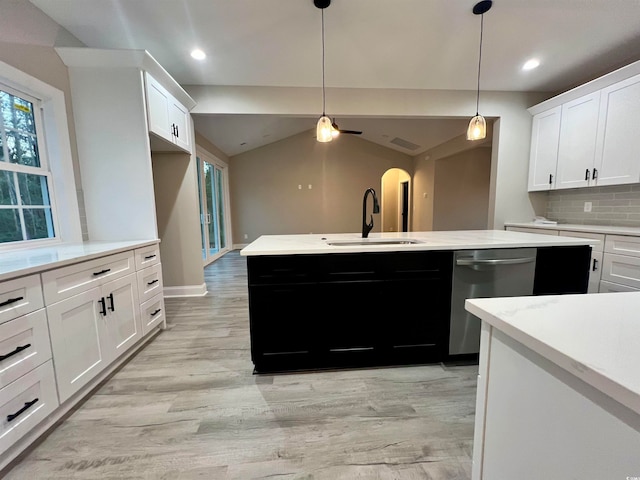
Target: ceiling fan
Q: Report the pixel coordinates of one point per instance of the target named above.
(335, 127)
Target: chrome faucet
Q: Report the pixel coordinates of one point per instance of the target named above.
(366, 227)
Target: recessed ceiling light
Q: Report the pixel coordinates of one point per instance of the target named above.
(198, 54)
(531, 64)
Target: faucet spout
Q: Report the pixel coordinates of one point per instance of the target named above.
(367, 227)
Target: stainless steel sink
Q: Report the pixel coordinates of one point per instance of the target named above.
(381, 241)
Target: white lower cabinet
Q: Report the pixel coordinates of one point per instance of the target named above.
(25, 403)
(90, 330)
(152, 313)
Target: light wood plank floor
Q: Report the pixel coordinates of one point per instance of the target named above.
(188, 406)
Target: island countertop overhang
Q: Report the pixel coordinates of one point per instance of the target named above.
(434, 241)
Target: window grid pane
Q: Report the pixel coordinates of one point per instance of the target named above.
(25, 205)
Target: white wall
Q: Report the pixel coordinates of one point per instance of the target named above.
(509, 200)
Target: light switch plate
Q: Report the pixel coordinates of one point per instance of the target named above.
(587, 206)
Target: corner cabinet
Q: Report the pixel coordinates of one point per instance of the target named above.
(125, 106)
(168, 118)
(586, 137)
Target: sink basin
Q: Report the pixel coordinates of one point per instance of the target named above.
(376, 241)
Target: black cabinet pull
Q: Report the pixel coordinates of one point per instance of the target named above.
(586, 174)
(112, 307)
(102, 271)
(595, 265)
(550, 179)
(17, 350)
(10, 301)
(103, 307)
(27, 406)
(595, 174)
(156, 312)
(149, 257)
(152, 282)
(177, 132)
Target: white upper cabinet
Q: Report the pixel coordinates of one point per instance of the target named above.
(587, 136)
(168, 118)
(544, 149)
(577, 147)
(618, 142)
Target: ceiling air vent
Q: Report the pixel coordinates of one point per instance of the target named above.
(404, 144)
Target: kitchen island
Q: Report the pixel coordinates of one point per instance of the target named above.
(338, 300)
(558, 387)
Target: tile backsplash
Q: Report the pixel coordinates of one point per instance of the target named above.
(614, 206)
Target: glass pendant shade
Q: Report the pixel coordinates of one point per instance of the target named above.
(324, 129)
(477, 128)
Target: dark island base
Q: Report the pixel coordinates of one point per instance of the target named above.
(319, 312)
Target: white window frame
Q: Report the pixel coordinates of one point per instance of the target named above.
(54, 147)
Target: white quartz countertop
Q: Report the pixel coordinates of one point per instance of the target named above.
(635, 231)
(16, 263)
(442, 240)
(596, 337)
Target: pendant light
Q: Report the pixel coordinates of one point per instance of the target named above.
(478, 125)
(324, 128)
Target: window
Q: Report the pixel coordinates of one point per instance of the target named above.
(26, 210)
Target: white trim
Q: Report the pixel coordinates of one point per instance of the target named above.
(62, 191)
(239, 246)
(185, 291)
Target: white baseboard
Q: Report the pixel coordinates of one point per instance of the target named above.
(185, 291)
(239, 246)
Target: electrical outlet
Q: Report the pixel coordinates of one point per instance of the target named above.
(246, 236)
(587, 206)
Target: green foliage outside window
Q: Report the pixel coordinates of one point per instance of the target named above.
(25, 206)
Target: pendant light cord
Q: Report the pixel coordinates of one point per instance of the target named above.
(323, 96)
(479, 63)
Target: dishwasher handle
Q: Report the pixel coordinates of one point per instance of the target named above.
(472, 262)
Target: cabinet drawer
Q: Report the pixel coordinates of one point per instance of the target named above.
(152, 313)
(150, 282)
(68, 281)
(20, 296)
(24, 345)
(623, 245)
(25, 403)
(596, 236)
(147, 256)
(621, 269)
(608, 287)
(541, 231)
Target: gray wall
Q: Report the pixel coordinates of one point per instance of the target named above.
(615, 205)
(461, 191)
(265, 198)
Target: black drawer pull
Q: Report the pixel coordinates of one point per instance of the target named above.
(586, 174)
(17, 350)
(103, 307)
(27, 406)
(594, 176)
(152, 282)
(550, 179)
(148, 257)
(10, 301)
(102, 271)
(156, 312)
(112, 307)
(595, 265)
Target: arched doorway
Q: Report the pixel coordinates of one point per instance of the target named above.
(396, 200)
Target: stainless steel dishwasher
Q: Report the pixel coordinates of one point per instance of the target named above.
(505, 272)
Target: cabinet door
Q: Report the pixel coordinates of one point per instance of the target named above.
(179, 116)
(123, 314)
(577, 146)
(595, 272)
(543, 159)
(158, 109)
(78, 333)
(618, 145)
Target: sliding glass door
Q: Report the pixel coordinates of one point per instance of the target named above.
(214, 206)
